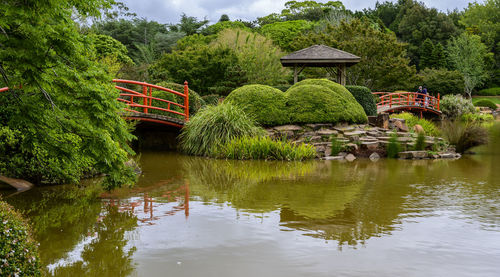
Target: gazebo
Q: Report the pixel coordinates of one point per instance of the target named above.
(320, 56)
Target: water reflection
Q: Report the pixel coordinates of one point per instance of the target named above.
(222, 214)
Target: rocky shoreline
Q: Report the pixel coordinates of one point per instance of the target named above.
(363, 140)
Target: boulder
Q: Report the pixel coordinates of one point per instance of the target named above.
(372, 145)
(351, 147)
(381, 120)
(350, 157)
(374, 157)
(326, 132)
(401, 126)
(286, 128)
(19, 184)
(409, 155)
(418, 129)
(318, 126)
(333, 158)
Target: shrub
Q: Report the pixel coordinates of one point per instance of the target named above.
(393, 148)
(213, 126)
(489, 92)
(365, 98)
(420, 143)
(464, 135)
(316, 104)
(411, 120)
(265, 104)
(211, 99)
(18, 250)
(454, 106)
(264, 148)
(337, 146)
(477, 118)
(442, 81)
(486, 103)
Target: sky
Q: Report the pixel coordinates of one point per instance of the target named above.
(169, 11)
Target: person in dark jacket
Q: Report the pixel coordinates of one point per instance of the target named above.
(420, 97)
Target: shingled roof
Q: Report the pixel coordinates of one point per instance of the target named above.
(319, 56)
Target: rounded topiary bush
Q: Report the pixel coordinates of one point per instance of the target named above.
(267, 105)
(317, 104)
(365, 98)
(213, 126)
(351, 110)
(18, 250)
(485, 103)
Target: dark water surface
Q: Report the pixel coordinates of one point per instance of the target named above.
(201, 217)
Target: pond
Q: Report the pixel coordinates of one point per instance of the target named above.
(192, 216)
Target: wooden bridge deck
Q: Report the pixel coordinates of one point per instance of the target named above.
(157, 118)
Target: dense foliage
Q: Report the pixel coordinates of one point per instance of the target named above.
(267, 105)
(485, 103)
(60, 119)
(213, 126)
(464, 135)
(18, 250)
(264, 148)
(489, 92)
(442, 81)
(454, 106)
(284, 33)
(383, 65)
(365, 98)
(411, 120)
(318, 104)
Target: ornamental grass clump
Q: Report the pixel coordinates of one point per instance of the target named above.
(264, 148)
(393, 148)
(420, 142)
(464, 135)
(214, 126)
(267, 105)
(18, 250)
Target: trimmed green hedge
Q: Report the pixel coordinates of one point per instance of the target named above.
(18, 250)
(333, 103)
(489, 92)
(365, 98)
(267, 105)
(317, 104)
(485, 103)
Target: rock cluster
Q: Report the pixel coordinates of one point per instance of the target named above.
(346, 142)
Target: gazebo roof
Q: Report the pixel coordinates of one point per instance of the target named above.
(320, 56)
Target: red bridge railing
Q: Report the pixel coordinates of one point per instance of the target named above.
(144, 100)
(4, 89)
(409, 100)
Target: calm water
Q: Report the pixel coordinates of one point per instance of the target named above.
(200, 217)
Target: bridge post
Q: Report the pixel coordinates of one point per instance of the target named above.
(186, 100)
(145, 102)
(439, 96)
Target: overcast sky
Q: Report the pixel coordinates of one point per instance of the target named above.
(169, 11)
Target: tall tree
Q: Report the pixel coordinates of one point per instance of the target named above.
(467, 54)
(426, 54)
(60, 118)
(383, 65)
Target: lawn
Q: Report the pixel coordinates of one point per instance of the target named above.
(494, 99)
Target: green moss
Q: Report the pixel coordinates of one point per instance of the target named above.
(18, 250)
(365, 98)
(319, 104)
(351, 111)
(267, 105)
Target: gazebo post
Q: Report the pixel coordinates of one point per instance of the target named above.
(295, 74)
(341, 76)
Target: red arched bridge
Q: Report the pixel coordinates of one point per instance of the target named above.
(152, 103)
(389, 102)
(144, 106)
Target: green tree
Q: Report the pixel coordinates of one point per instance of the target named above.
(438, 56)
(60, 119)
(426, 51)
(223, 18)
(383, 65)
(284, 33)
(467, 54)
(442, 81)
(189, 25)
